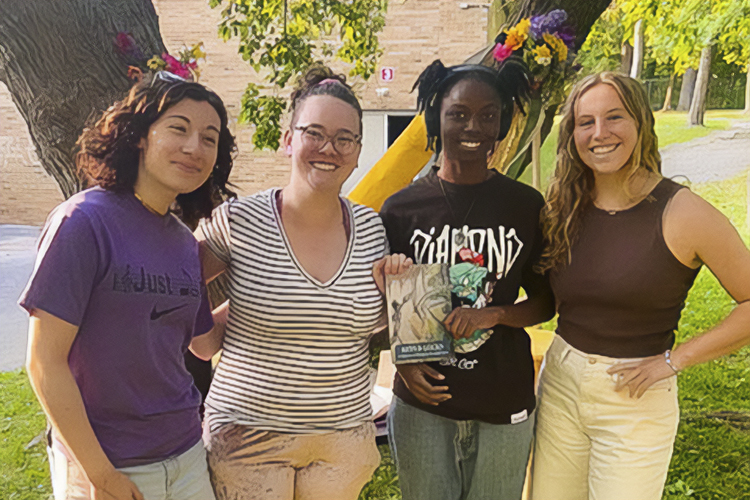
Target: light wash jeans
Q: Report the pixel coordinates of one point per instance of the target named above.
(593, 443)
(184, 477)
(443, 459)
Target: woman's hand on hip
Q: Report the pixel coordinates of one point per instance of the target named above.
(392, 264)
(415, 377)
(638, 376)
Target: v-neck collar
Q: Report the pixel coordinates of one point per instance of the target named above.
(282, 231)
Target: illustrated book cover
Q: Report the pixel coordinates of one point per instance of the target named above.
(419, 300)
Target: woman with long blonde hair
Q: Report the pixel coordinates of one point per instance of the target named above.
(624, 247)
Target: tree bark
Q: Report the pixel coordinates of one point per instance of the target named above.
(668, 98)
(60, 64)
(687, 89)
(698, 104)
(637, 67)
(626, 58)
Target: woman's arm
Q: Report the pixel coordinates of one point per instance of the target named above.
(538, 307)
(211, 265)
(696, 233)
(206, 345)
(50, 339)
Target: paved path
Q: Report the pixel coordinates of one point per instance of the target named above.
(17, 244)
(720, 155)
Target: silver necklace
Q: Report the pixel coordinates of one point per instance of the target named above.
(459, 237)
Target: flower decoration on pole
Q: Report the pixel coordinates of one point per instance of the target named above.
(185, 65)
(545, 44)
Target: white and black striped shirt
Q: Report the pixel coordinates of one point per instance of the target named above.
(296, 350)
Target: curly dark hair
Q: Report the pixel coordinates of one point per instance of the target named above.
(107, 152)
(510, 81)
(321, 80)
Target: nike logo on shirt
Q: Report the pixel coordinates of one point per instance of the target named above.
(158, 314)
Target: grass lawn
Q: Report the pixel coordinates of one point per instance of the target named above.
(671, 127)
(23, 469)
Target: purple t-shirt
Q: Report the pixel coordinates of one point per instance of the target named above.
(131, 281)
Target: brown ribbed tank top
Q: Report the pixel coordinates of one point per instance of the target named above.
(623, 291)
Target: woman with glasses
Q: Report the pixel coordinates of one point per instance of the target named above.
(288, 415)
(116, 297)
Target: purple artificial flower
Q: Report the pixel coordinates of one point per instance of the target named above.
(536, 27)
(551, 22)
(554, 20)
(126, 46)
(568, 35)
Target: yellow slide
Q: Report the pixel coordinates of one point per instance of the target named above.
(395, 170)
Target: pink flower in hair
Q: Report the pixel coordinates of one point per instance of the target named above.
(501, 52)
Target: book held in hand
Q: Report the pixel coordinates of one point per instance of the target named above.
(419, 300)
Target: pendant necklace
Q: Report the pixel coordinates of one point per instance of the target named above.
(147, 206)
(459, 238)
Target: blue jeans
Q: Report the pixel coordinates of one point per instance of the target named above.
(183, 477)
(443, 459)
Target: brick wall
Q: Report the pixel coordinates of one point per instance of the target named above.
(416, 33)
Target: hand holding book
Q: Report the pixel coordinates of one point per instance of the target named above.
(396, 263)
(462, 322)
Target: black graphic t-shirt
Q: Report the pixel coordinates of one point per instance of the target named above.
(489, 233)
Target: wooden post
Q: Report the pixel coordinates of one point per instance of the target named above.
(536, 162)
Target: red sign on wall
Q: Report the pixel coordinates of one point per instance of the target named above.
(387, 74)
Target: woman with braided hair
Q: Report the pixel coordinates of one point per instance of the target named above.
(462, 428)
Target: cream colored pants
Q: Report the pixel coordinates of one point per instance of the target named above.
(594, 443)
(250, 464)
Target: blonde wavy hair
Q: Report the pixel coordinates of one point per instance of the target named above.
(571, 190)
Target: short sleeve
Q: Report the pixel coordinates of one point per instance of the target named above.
(216, 231)
(204, 320)
(392, 231)
(67, 266)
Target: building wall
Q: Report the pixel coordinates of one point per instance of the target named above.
(416, 33)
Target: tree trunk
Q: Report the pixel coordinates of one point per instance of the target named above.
(668, 98)
(687, 89)
(698, 104)
(60, 64)
(626, 58)
(637, 67)
(747, 98)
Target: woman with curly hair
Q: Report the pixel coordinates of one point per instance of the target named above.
(288, 415)
(116, 297)
(625, 245)
(462, 428)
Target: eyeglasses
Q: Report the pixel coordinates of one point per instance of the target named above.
(343, 142)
